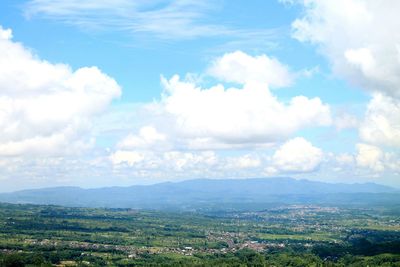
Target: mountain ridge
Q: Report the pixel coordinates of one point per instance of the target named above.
(197, 192)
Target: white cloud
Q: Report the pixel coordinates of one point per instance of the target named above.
(163, 18)
(346, 121)
(374, 158)
(295, 156)
(244, 162)
(370, 156)
(169, 162)
(359, 38)
(250, 114)
(241, 68)
(361, 58)
(166, 19)
(147, 137)
(126, 157)
(47, 108)
(232, 115)
(345, 159)
(5, 34)
(186, 160)
(189, 126)
(381, 125)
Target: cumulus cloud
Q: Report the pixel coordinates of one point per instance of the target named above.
(190, 124)
(374, 158)
(358, 37)
(381, 125)
(250, 114)
(147, 137)
(244, 162)
(186, 160)
(46, 108)
(169, 162)
(295, 156)
(370, 156)
(232, 115)
(361, 41)
(126, 157)
(241, 68)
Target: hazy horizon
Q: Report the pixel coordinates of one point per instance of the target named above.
(199, 179)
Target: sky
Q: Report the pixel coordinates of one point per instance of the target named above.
(114, 93)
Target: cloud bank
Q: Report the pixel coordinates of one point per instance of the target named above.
(361, 41)
(203, 121)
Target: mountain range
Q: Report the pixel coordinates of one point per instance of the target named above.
(211, 193)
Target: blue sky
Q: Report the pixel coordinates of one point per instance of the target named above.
(101, 93)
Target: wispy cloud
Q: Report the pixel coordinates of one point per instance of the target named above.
(166, 19)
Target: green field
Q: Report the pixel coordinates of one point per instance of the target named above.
(307, 235)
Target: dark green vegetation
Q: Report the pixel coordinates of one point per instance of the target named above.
(284, 235)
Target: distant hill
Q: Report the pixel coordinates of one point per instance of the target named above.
(207, 193)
